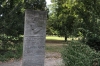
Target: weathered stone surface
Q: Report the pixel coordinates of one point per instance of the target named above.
(34, 38)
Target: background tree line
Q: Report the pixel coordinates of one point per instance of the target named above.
(76, 18)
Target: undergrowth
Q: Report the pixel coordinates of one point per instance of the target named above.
(79, 54)
(13, 53)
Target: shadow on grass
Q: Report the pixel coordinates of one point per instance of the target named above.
(55, 41)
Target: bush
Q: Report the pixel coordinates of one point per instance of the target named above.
(15, 53)
(94, 42)
(79, 54)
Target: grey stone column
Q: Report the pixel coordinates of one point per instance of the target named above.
(34, 38)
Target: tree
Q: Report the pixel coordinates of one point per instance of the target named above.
(88, 12)
(12, 19)
(76, 16)
(64, 23)
(51, 19)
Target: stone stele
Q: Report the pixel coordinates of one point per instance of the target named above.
(34, 38)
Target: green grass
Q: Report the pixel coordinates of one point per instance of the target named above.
(59, 38)
(53, 46)
(56, 48)
(54, 38)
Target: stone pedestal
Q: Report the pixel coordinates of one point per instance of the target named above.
(34, 38)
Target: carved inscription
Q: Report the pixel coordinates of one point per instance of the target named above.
(36, 45)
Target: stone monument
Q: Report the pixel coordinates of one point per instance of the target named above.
(34, 38)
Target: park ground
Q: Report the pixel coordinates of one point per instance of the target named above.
(54, 45)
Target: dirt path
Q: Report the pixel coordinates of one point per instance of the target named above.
(52, 59)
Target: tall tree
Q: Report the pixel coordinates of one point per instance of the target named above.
(11, 21)
(65, 17)
(76, 16)
(88, 13)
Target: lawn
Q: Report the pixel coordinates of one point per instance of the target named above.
(59, 38)
(54, 38)
(54, 43)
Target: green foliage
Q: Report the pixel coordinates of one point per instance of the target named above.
(93, 40)
(8, 41)
(62, 18)
(11, 53)
(11, 23)
(12, 20)
(75, 16)
(35, 4)
(78, 54)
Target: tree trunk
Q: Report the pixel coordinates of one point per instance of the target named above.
(66, 37)
(66, 34)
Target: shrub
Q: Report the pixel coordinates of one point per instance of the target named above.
(94, 42)
(79, 54)
(15, 53)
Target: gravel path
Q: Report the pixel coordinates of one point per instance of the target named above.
(52, 59)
